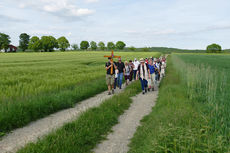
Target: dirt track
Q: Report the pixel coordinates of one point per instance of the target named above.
(118, 140)
(30, 133)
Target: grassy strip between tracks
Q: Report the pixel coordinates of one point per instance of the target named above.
(181, 122)
(89, 129)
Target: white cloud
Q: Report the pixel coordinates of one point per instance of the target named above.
(81, 12)
(152, 32)
(218, 27)
(22, 5)
(60, 8)
(41, 32)
(91, 1)
(6, 18)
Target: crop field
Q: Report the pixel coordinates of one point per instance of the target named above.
(192, 111)
(34, 85)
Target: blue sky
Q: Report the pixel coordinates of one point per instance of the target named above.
(191, 24)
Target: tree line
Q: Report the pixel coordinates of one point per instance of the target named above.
(50, 43)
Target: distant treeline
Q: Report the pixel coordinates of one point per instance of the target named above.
(50, 43)
(168, 50)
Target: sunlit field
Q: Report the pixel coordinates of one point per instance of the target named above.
(34, 85)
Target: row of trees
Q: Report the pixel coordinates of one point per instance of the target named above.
(84, 45)
(49, 43)
(46, 43)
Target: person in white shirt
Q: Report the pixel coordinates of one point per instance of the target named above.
(163, 66)
(136, 63)
(116, 76)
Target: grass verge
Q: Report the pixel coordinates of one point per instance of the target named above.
(89, 129)
(178, 123)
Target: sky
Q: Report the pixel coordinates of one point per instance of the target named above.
(189, 24)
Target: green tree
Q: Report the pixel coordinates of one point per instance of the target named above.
(101, 45)
(110, 45)
(120, 45)
(24, 41)
(49, 43)
(63, 43)
(4, 41)
(214, 48)
(84, 45)
(75, 46)
(35, 44)
(93, 45)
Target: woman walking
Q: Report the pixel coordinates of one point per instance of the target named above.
(144, 74)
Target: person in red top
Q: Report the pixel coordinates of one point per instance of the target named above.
(146, 61)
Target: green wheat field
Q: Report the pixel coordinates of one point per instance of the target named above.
(191, 113)
(34, 85)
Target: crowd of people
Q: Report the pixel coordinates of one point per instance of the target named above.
(149, 71)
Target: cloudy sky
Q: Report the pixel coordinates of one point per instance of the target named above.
(140, 23)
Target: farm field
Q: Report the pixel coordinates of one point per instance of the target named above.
(34, 85)
(83, 134)
(192, 111)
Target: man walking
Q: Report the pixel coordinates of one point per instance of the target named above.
(121, 71)
(151, 81)
(110, 75)
(136, 64)
(143, 71)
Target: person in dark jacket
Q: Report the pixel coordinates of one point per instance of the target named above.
(121, 71)
(110, 75)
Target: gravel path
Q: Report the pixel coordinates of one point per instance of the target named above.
(30, 133)
(118, 140)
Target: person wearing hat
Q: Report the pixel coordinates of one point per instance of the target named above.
(135, 67)
(110, 75)
(144, 74)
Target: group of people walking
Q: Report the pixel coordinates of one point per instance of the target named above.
(148, 71)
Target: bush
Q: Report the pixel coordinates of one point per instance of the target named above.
(214, 48)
